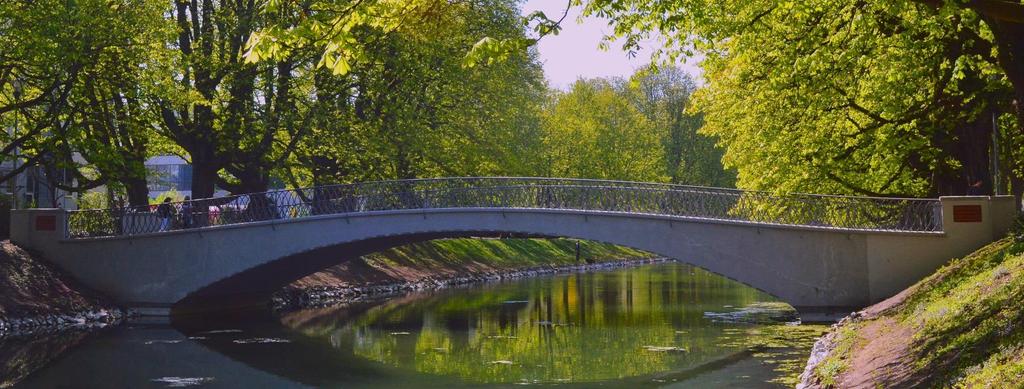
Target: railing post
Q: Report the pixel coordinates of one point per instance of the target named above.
(936, 221)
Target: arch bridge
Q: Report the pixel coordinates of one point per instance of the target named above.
(816, 252)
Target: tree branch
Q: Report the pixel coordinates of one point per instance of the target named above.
(1006, 11)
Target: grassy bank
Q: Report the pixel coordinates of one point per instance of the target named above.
(961, 327)
(501, 253)
(450, 258)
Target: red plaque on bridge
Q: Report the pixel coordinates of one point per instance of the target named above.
(967, 213)
(46, 223)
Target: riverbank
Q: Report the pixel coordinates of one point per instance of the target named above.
(43, 313)
(961, 327)
(450, 262)
(36, 297)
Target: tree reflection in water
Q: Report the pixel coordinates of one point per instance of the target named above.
(645, 322)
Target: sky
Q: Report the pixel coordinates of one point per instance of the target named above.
(574, 52)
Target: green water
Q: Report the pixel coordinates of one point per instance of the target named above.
(668, 325)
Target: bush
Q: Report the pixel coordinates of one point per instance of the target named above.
(92, 200)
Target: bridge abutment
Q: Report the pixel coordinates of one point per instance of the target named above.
(897, 261)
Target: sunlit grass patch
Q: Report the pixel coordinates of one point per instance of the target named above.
(500, 253)
(828, 370)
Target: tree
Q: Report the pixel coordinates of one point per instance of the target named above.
(69, 69)
(410, 109)
(333, 27)
(110, 112)
(664, 97)
(846, 96)
(227, 113)
(593, 131)
(38, 66)
(636, 129)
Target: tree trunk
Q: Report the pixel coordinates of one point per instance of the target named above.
(138, 191)
(205, 163)
(970, 145)
(204, 176)
(1009, 40)
(1016, 188)
(254, 179)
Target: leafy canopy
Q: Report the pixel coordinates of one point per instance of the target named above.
(842, 96)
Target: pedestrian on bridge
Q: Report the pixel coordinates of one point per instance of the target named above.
(186, 213)
(165, 212)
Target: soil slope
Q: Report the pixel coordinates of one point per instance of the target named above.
(961, 327)
(35, 294)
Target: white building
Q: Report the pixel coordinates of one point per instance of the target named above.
(170, 172)
(32, 188)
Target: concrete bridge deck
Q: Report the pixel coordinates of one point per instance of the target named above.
(817, 253)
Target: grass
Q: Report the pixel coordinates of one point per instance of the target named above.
(501, 253)
(461, 258)
(969, 317)
(829, 369)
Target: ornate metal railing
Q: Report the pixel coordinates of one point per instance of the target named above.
(863, 213)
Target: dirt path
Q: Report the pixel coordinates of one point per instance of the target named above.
(882, 358)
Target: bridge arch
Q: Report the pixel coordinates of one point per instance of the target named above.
(256, 284)
(805, 267)
(816, 265)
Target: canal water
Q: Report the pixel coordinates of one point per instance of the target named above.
(666, 325)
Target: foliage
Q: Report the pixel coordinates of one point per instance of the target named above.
(840, 96)
(333, 27)
(592, 132)
(835, 95)
(663, 95)
(631, 130)
(110, 120)
(173, 78)
(65, 70)
(393, 96)
(235, 120)
(92, 200)
(411, 110)
(169, 194)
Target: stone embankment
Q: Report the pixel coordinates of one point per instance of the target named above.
(36, 297)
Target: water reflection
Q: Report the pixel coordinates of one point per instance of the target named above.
(20, 356)
(650, 326)
(577, 328)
